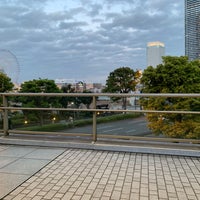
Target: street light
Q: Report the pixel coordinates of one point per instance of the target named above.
(53, 120)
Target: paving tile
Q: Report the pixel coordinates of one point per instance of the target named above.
(37, 198)
(50, 194)
(19, 197)
(24, 166)
(33, 192)
(18, 163)
(105, 198)
(16, 151)
(42, 153)
(10, 197)
(9, 182)
(68, 195)
(88, 174)
(17, 191)
(6, 161)
(4, 147)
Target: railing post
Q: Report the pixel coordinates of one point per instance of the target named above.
(94, 131)
(5, 116)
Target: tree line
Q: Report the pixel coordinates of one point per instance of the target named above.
(174, 75)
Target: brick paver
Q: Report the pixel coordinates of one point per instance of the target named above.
(86, 174)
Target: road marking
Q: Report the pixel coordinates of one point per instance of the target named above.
(116, 129)
(103, 127)
(132, 130)
(141, 124)
(135, 121)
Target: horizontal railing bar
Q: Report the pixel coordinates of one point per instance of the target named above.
(149, 138)
(101, 110)
(49, 133)
(106, 94)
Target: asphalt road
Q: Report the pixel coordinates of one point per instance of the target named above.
(130, 127)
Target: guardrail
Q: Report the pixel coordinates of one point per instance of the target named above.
(5, 108)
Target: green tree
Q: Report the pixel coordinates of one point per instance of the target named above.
(65, 101)
(175, 75)
(39, 86)
(5, 83)
(74, 101)
(122, 80)
(84, 100)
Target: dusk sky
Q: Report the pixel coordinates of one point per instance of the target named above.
(87, 39)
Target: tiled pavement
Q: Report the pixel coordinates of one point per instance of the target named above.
(19, 163)
(89, 174)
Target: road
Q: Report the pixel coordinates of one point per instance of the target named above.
(130, 127)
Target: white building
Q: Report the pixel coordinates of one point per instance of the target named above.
(155, 52)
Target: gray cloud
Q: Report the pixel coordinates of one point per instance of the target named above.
(95, 9)
(69, 25)
(86, 40)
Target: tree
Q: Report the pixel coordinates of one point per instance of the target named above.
(175, 75)
(84, 100)
(74, 101)
(5, 83)
(122, 80)
(65, 101)
(39, 86)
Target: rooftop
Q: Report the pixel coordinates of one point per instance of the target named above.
(97, 171)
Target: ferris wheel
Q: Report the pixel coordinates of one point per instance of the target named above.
(9, 65)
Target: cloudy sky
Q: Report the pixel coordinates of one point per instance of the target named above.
(87, 39)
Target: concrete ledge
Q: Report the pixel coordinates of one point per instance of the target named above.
(105, 146)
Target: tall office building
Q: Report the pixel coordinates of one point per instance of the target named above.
(192, 29)
(155, 52)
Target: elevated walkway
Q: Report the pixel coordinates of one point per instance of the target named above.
(133, 146)
(27, 161)
(33, 172)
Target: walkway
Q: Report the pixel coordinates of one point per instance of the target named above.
(106, 175)
(19, 163)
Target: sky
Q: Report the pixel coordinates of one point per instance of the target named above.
(85, 40)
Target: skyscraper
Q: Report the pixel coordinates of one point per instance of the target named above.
(155, 51)
(192, 29)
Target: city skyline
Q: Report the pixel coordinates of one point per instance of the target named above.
(86, 40)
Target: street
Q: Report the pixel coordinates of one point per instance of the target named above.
(129, 127)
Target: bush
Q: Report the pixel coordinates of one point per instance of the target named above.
(79, 123)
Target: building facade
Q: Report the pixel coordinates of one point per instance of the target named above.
(79, 86)
(155, 52)
(192, 29)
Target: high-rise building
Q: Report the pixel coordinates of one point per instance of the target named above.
(192, 29)
(155, 52)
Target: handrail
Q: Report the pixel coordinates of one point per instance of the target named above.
(102, 110)
(183, 95)
(5, 108)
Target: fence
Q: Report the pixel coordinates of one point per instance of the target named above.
(5, 108)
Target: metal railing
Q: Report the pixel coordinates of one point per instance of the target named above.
(5, 108)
